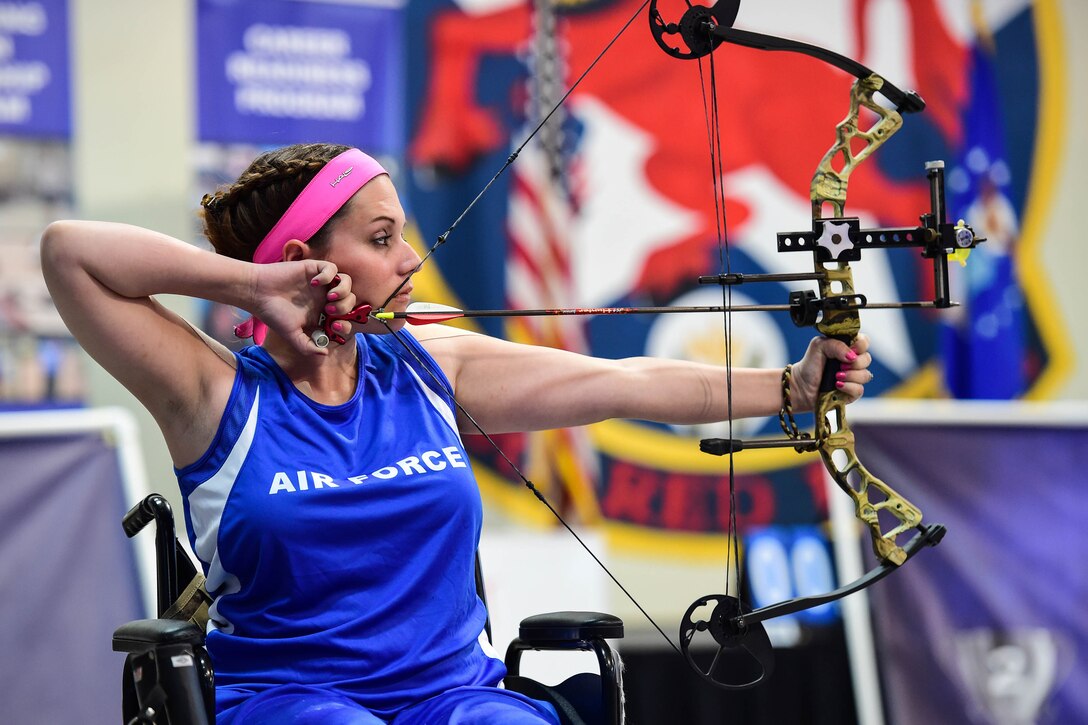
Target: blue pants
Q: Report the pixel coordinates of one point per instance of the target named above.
(302, 705)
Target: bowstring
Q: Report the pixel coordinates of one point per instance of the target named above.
(712, 119)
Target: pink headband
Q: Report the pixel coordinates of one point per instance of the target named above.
(335, 183)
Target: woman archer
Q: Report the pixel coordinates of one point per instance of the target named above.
(327, 491)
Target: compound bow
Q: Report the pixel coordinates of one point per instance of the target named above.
(833, 242)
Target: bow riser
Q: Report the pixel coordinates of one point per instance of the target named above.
(829, 183)
(839, 456)
(836, 440)
(832, 431)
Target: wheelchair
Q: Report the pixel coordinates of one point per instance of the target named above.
(168, 677)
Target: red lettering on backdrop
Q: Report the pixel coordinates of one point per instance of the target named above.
(756, 504)
(687, 502)
(514, 444)
(629, 493)
(814, 476)
(684, 502)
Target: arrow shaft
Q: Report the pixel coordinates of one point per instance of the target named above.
(442, 315)
(573, 311)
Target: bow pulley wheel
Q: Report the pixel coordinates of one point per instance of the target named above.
(725, 629)
(696, 42)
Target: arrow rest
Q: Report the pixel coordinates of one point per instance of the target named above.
(727, 630)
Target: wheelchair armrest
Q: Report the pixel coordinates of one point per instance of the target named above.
(143, 634)
(559, 627)
(600, 695)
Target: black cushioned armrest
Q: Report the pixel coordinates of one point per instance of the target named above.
(570, 626)
(143, 634)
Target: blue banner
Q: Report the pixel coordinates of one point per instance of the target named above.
(34, 79)
(286, 71)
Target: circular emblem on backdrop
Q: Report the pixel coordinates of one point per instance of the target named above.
(756, 339)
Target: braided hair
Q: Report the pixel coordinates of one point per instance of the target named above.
(239, 215)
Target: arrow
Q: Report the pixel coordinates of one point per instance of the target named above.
(425, 313)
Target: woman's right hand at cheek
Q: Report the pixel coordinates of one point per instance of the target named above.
(289, 297)
(340, 300)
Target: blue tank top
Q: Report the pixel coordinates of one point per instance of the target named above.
(339, 541)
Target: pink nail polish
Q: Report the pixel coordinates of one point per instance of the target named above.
(315, 282)
(840, 376)
(333, 296)
(840, 384)
(851, 355)
(330, 309)
(338, 326)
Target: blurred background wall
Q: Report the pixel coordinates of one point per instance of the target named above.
(133, 125)
(134, 135)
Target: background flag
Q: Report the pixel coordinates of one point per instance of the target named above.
(983, 340)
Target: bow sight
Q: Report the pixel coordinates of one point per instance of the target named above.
(841, 240)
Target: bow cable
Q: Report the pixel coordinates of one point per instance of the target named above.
(714, 136)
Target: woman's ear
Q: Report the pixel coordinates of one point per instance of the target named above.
(295, 250)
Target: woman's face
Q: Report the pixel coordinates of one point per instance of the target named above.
(367, 243)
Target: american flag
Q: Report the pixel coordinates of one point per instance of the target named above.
(541, 211)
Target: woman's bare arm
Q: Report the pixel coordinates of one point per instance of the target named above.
(512, 387)
(101, 277)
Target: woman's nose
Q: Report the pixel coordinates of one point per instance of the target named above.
(411, 258)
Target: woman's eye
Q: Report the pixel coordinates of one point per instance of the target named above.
(382, 240)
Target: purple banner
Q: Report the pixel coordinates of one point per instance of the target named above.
(284, 71)
(34, 79)
(67, 572)
(988, 627)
